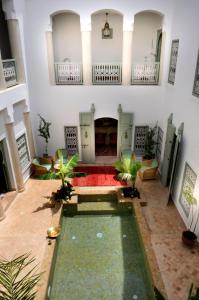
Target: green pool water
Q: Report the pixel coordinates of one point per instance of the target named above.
(99, 257)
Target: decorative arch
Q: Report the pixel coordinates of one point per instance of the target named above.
(106, 129)
(109, 10)
(150, 11)
(58, 12)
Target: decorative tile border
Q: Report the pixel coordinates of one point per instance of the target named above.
(196, 79)
(173, 61)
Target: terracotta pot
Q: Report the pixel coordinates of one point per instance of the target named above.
(189, 238)
(147, 161)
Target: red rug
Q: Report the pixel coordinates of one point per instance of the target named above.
(97, 176)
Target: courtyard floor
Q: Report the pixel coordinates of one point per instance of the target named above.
(28, 217)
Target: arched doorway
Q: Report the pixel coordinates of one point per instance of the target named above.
(106, 137)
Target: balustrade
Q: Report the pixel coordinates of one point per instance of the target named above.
(146, 73)
(104, 73)
(9, 71)
(68, 73)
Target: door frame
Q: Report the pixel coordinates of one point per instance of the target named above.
(92, 111)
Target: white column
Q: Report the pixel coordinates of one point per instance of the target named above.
(27, 122)
(14, 155)
(2, 78)
(162, 56)
(50, 57)
(16, 48)
(2, 214)
(86, 53)
(127, 53)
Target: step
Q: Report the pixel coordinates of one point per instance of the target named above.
(97, 198)
(97, 208)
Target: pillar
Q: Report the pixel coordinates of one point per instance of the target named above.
(162, 56)
(14, 156)
(86, 53)
(2, 214)
(28, 125)
(3, 85)
(50, 57)
(127, 53)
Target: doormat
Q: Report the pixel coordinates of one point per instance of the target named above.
(97, 176)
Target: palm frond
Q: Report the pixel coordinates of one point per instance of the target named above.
(127, 167)
(48, 176)
(15, 283)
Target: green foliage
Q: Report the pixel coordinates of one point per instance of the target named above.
(127, 167)
(15, 282)
(49, 175)
(191, 200)
(158, 295)
(191, 296)
(65, 170)
(188, 194)
(150, 143)
(44, 130)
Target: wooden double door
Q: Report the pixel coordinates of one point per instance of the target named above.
(87, 132)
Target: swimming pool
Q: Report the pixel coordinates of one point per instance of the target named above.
(99, 256)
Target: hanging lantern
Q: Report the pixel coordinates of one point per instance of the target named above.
(107, 32)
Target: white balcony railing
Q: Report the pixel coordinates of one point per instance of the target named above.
(68, 73)
(107, 73)
(146, 73)
(9, 72)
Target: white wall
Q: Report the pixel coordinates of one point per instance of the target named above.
(146, 25)
(107, 50)
(178, 98)
(61, 104)
(67, 37)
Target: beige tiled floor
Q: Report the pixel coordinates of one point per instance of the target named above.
(28, 217)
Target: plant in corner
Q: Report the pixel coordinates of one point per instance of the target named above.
(150, 143)
(44, 132)
(128, 167)
(189, 237)
(15, 282)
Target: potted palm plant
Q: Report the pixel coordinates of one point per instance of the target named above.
(188, 236)
(150, 143)
(44, 131)
(66, 170)
(127, 168)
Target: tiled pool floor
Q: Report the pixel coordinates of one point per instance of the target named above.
(99, 257)
(24, 229)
